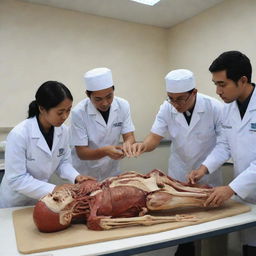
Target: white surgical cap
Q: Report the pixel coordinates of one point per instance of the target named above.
(180, 80)
(98, 79)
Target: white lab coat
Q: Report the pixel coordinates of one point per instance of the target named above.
(190, 143)
(29, 163)
(238, 140)
(88, 128)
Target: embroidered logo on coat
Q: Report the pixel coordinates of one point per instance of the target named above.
(253, 127)
(117, 124)
(61, 151)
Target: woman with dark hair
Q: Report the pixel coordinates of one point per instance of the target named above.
(38, 147)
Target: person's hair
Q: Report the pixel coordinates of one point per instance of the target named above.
(235, 63)
(48, 95)
(190, 91)
(88, 93)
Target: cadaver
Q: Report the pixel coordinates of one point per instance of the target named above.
(121, 201)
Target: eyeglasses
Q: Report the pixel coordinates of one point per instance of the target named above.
(179, 101)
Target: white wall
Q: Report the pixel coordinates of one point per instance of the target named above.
(195, 43)
(40, 43)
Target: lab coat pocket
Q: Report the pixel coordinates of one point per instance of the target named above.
(250, 140)
(30, 158)
(116, 128)
(205, 135)
(31, 164)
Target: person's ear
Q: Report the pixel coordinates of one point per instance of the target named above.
(194, 91)
(244, 79)
(41, 109)
(87, 94)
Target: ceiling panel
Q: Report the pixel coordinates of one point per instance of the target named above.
(165, 14)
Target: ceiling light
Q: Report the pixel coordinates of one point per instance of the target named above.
(148, 2)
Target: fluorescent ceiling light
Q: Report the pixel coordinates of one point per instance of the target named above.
(148, 2)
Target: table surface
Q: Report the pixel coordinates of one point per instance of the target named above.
(131, 245)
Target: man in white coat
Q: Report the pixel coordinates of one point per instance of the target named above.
(192, 122)
(231, 73)
(97, 124)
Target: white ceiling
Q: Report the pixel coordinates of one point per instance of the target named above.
(165, 14)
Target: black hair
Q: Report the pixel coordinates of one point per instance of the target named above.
(235, 63)
(48, 95)
(190, 91)
(90, 92)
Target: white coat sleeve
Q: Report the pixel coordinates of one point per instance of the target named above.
(160, 125)
(78, 132)
(65, 169)
(18, 177)
(127, 125)
(221, 152)
(244, 184)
